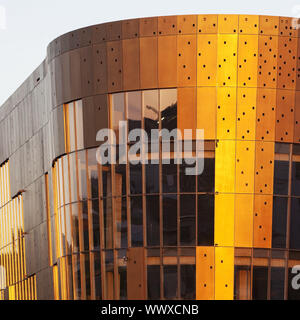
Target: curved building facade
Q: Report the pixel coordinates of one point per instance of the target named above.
(72, 228)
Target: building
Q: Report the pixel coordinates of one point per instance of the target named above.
(74, 229)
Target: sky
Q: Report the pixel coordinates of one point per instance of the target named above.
(28, 26)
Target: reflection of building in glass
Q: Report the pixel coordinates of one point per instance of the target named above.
(71, 228)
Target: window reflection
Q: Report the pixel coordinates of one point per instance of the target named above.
(187, 219)
(153, 282)
(117, 112)
(169, 177)
(277, 283)
(188, 281)
(93, 173)
(170, 220)
(170, 281)
(82, 174)
(281, 175)
(279, 222)
(96, 224)
(206, 180)
(136, 179)
(260, 283)
(134, 105)
(187, 182)
(121, 222)
(205, 220)
(151, 112)
(136, 221)
(152, 178)
(295, 224)
(242, 284)
(168, 109)
(152, 213)
(120, 179)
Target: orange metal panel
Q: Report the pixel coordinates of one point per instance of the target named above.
(248, 24)
(284, 128)
(148, 62)
(206, 111)
(246, 113)
(264, 167)
(286, 28)
(206, 59)
(267, 61)
(187, 59)
(228, 23)
(269, 25)
(298, 65)
(205, 273)
(167, 61)
(265, 114)
(130, 28)
(262, 230)
(187, 24)
(207, 23)
(131, 64)
(297, 118)
(148, 27)
(167, 25)
(114, 66)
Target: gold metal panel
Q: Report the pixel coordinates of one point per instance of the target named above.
(226, 112)
(148, 62)
(243, 227)
(167, 25)
(247, 60)
(148, 27)
(114, 66)
(265, 114)
(167, 61)
(228, 23)
(262, 231)
(187, 59)
(246, 113)
(284, 129)
(187, 24)
(206, 59)
(130, 28)
(264, 167)
(205, 273)
(227, 60)
(207, 23)
(248, 24)
(224, 274)
(206, 111)
(131, 64)
(268, 25)
(245, 163)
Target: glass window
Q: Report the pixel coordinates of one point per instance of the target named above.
(97, 268)
(170, 281)
(73, 177)
(86, 258)
(117, 112)
(66, 179)
(279, 222)
(281, 177)
(169, 177)
(121, 221)
(123, 282)
(85, 223)
(277, 283)
(187, 219)
(108, 222)
(295, 224)
(75, 221)
(206, 220)
(109, 274)
(76, 264)
(242, 289)
(72, 126)
(187, 182)
(153, 282)
(296, 178)
(120, 179)
(151, 112)
(134, 104)
(96, 225)
(168, 108)
(152, 178)
(136, 221)
(293, 294)
(188, 282)
(106, 181)
(170, 220)
(79, 124)
(206, 180)
(152, 211)
(136, 185)
(93, 173)
(260, 283)
(82, 174)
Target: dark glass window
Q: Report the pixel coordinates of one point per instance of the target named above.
(121, 221)
(296, 178)
(120, 179)
(97, 265)
(106, 181)
(170, 282)
(277, 283)
(169, 177)
(153, 281)
(82, 174)
(188, 281)
(96, 225)
(260, 283)
(136, 221)
(295, 224)
(242, 289)
(151, 112)
(170, 220)
(187, 182)
(152, 205)
(168, 108)
(152, 178)
(206, 180)
(281, 177)
(87, 275)
(108, 222)
(293, 293)
(187, 219)
(134, 104)
(85, 223)
(123, 283)
(136, 185)
(279, 222)
(206, 217)
(93, 172)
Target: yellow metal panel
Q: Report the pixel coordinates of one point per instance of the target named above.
(187, 59)
(247, 60)
(248, 24)
(225, 166)
(228, 23)
(224, 219)
(206, 111)
(246, 114)
(243, 229)
(227, 60)
(224, 274)
(205, 273)
(206, 59)
(226, 113)
(245, 163)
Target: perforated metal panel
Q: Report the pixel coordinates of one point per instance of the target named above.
(148, 62)
(148, 27)
(100, 68)
(114, 30)
(268, 25)
(99, 33)
(130, 28)
(286, 27)
(248, 24)
(187, 24)
(114, 66)
(207, 23)
(297, 118)
(167, 25)
(228, 23)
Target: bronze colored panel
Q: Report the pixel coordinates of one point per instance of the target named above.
(100, 68)
(284, 128)
(75, 75)
(148, 62)
(130, 28)
(135, 274)
(262, 230)
(85, 36)
(187, 59)
(297, 118)
(86, 66)
(267, 61)
(167, 25)
(58, 81)
(268, 25)
(114, 30)
(207, 23)
(167, 61)
(187, 24)
(131, 64)
(264, 167)
(265, 114)
(248, 24)
(286, 28)
(65, 42)
(74, 39)
(228, 23)
(99, 33)
(148, 27)
(66, 80)
(114, 66)
(287, 63)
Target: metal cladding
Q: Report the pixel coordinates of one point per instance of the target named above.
(73, 229)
